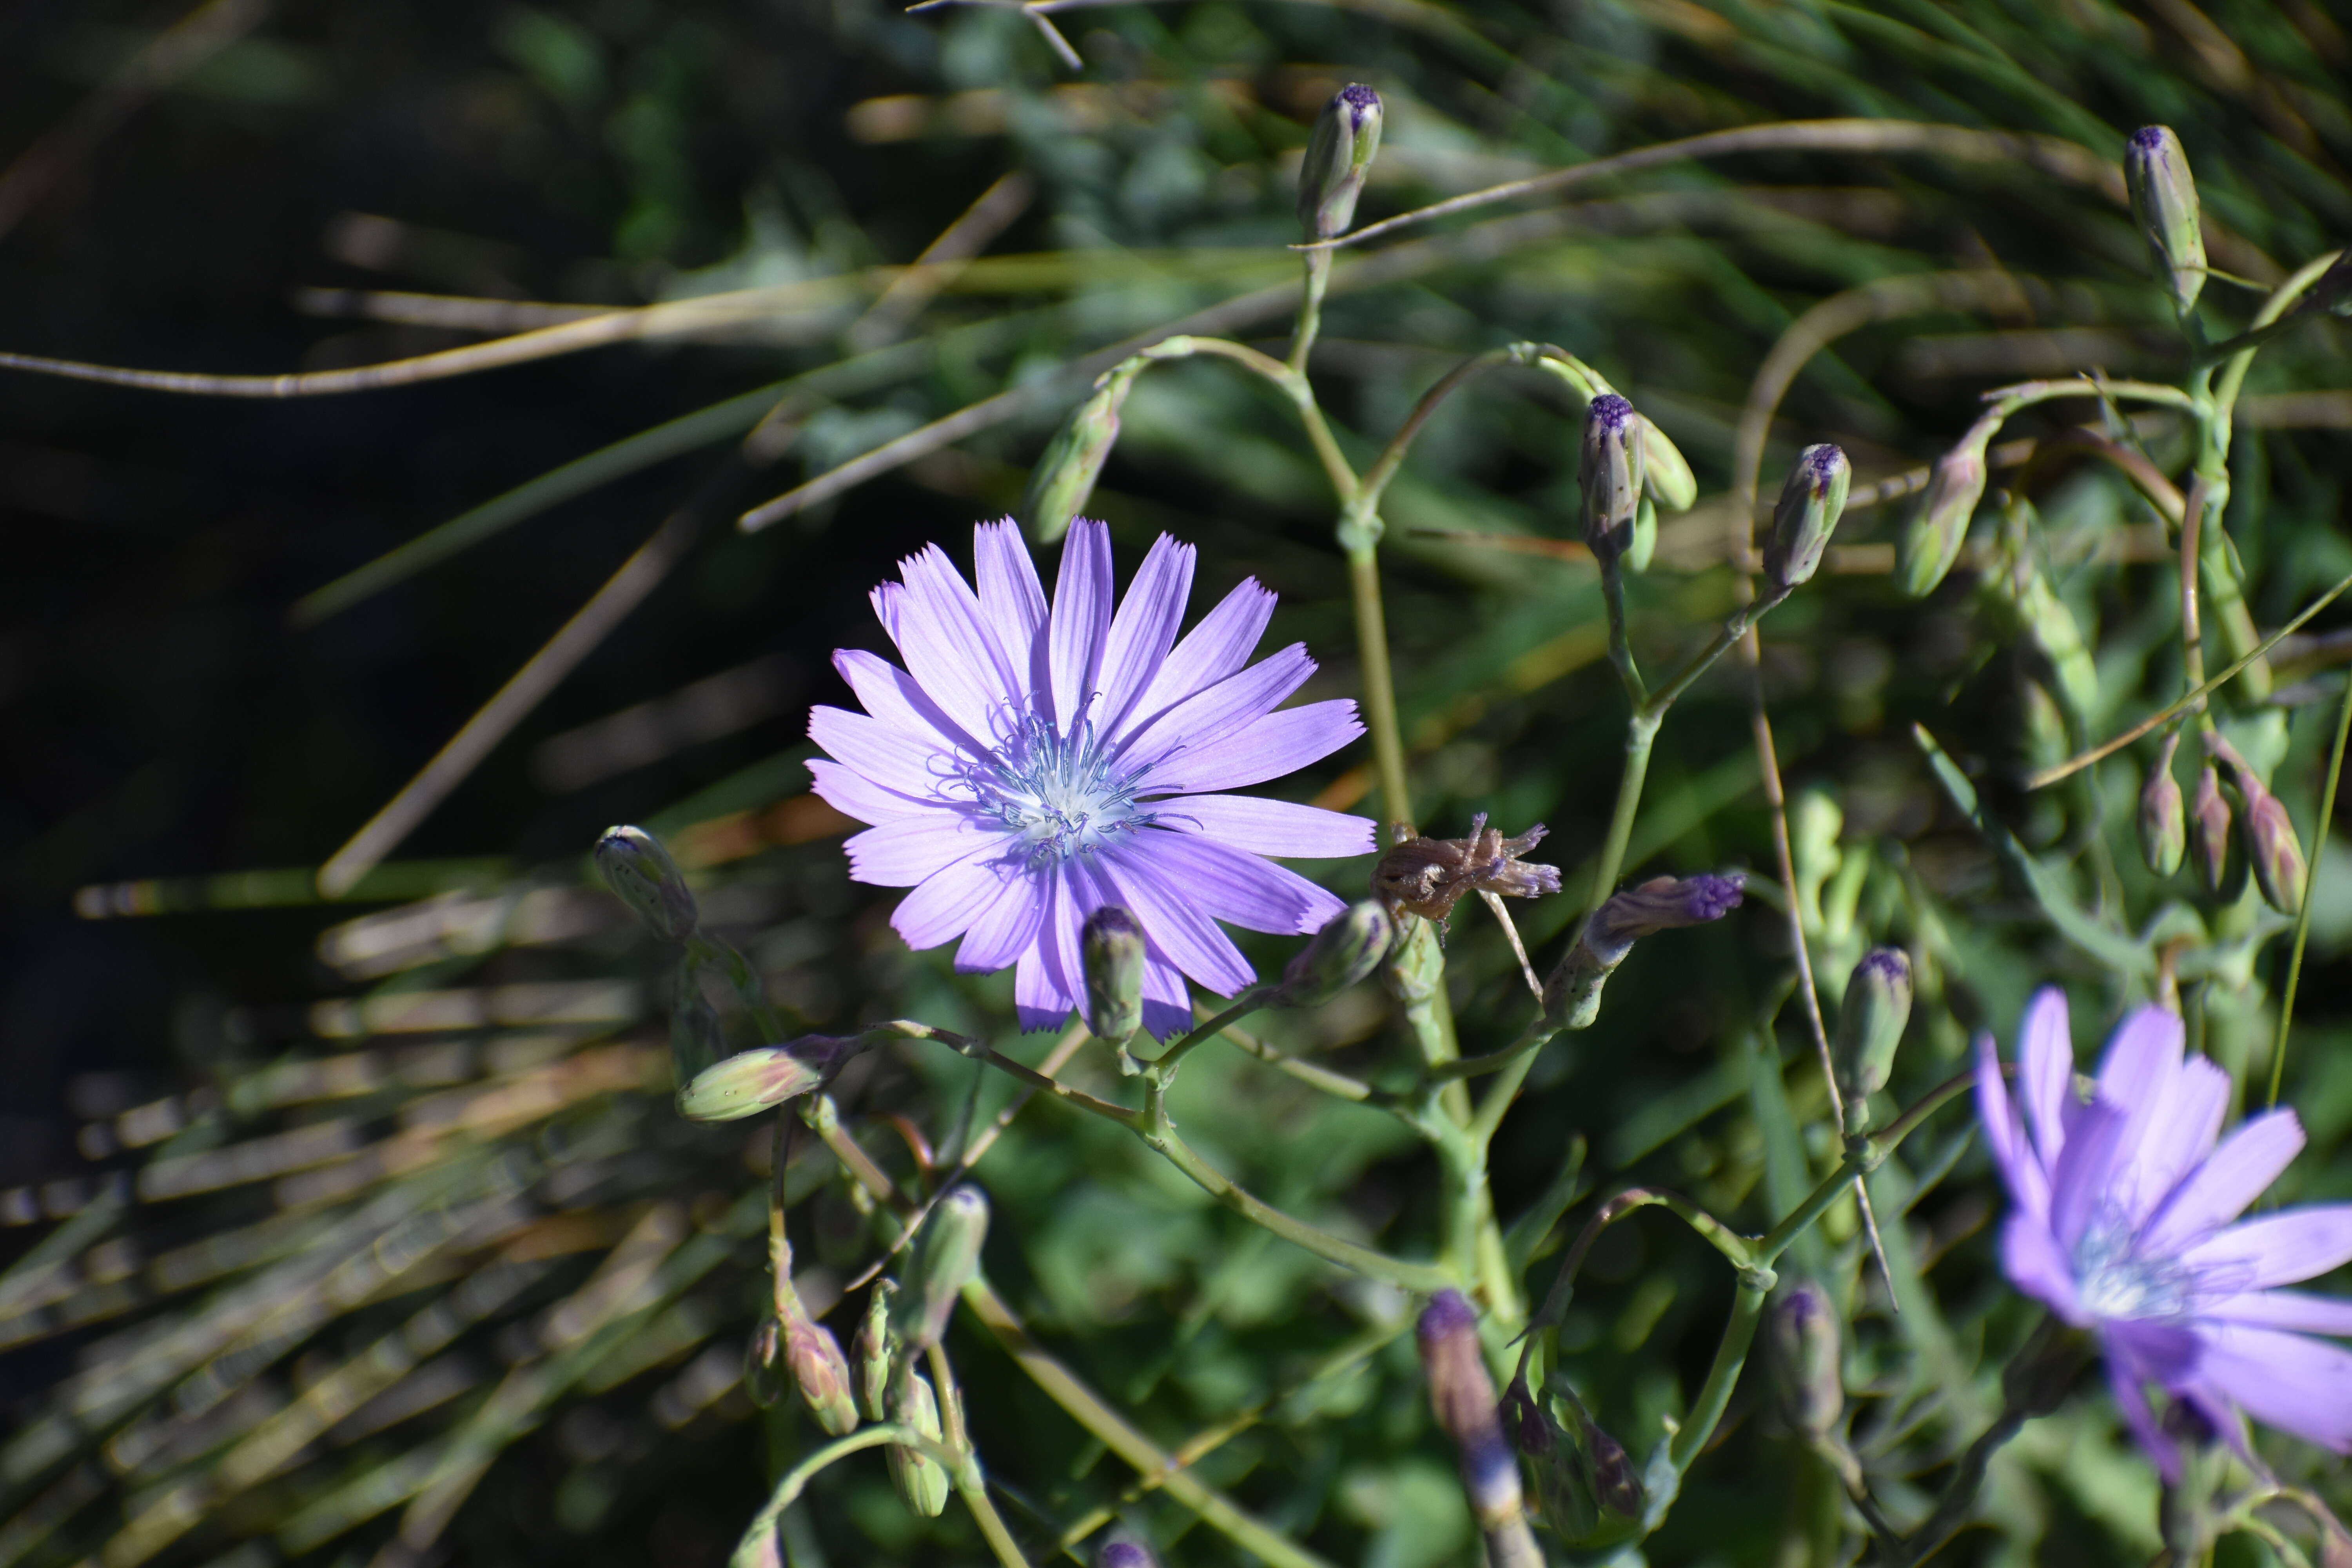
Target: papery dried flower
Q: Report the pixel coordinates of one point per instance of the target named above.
(1662, 903)
(1426, 877)
(2123, 1225)
(1029, 766)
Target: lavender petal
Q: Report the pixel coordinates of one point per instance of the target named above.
(1190, 941)
(2277, 1248)
(2020, 1168)
(2299, 1310)
(949, 650)
(2142, 1056)
(943, 906)
(1266, 827)
(1082, 605)
(1144, 628)
(2080, 1180)
(887, 755)
(852, 794)
(894, 697)
(2180, 1140)
(2034, 1265)
(2221, 1189)
(2046, 1071)
(1005, 929)
(1276, 745)
(1235, 886)
(1230, 705)
(1011, 599)
(1221, 644)
(1038, 1000)
(2131, 1399)
(905, 852)
(2296, 1383)
(1167, 1004)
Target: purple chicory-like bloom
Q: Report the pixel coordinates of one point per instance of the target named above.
(2127, 1224)
(1030, 765)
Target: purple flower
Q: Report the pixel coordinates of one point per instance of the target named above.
(2123, 1225)
(1029, 766)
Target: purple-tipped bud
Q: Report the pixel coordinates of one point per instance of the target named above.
(875, 1350)
(1338, 157)
(2209, 831)
(1616, 1484)
(1111, 948)
(921, 1480)
(1125, 1554)
(1426, 877)
(763, 1364)
(1802, 1337)
(640, 872)
(1064, 478)
(2164, 205)
(1349, 947)
(1870, 1026)
(1608, 476)
(1932, 539)
(821, 1373)
(2163, 819)
(751, 1081)
(1461, 1396)
(1812, 501)
(2273, 853)
(1563, 1488)
(942, 1261)
(1662, 903)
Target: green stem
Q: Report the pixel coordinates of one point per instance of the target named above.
(1310, 310)
(970, 1484)
(2310, 888)
(2233, 374)
(756, 1547)
(1620, 650)
(1640, 735)
(1730, 1356)
(1162, 1068)
(1961, 1495)
(1376, 478)
(1379, 691)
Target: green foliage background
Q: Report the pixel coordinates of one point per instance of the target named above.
(167, 723)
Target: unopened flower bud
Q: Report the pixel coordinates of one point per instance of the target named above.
(821, 1373)
(942, 1262)
(1110, 945)
(1338, 156)
(2209, 831)
(2164, 205)
(1562, 1487)
(1426, 877)
(2273, 852)
(1608, 476)
(873, 1351)
(1870, 1026)
(1801, 1336)
(1932, 539)
(1125, 1554)
(1349, 947)
(633, 864)
(1616, 1484)
(763, 1364)
(921, 1481)
(1662, 903)
(2163, 821)
(1461, 1396)
(1812, 500)
(1064, 479)
(751, 1081)
(1666, 472)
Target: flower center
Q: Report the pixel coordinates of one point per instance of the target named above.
(2114, 1280)
(1059, 794)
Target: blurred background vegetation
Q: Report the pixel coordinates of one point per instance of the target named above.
(326, 1216)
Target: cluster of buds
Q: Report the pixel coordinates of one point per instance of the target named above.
(1932, 539)
(1571, 995)
(1585, 1482)
(2273, 853)
(1667, 478)
(1427, 876)
(1461, 1396)
(2164, 206)
(1871, 1022)
(792, 1345)
(1338, 157)
(1812, 500)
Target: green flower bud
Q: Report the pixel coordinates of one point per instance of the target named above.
(1800, 1334)
(763, 1364)
(922, 1483)
(1870, 1026)
(1642, 542)
(1932, 539)
(874, 1351)
(1608, 476)
(1616, 1483)
(2164, 205)
(1064, 479)
(1664, 470)
(2163, 822)
(2273, 852)
(1338, 156)
(1112, 946)
(633, 864)
(751, 1081)
(821, 1373)
(1349, 947)
(2209, 833)
(940, 1263)
(1563, 1493)
(1812, 500)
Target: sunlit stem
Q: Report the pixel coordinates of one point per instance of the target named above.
(2310, 886)
(1379, 693)
(1621, 647)
(1310, 310)
(755, 1548)
(1162, 1068)
(971, 1485)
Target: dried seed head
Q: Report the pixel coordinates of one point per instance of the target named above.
(1608, 476)
(1870, 1026)
(1812, 500)
(1338, 156)
(1350, 946)
(2164, 205)
(1801, 1334)
(633, 864)
(1111, 947)
(1426, 877)
(2163, 819)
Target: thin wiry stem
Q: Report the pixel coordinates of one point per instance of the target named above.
(2310, 890)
